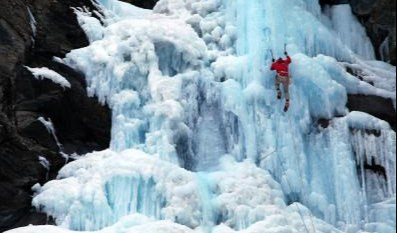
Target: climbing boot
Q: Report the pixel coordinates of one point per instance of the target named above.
(286, 107)
(279, 94)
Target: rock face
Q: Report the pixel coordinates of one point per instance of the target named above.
(374, 105)
(31, 33)
(379, 18)
(147, 4)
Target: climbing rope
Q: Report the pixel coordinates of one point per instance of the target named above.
(301, 177)
(296, 204)
(300, 212)
(267, 155)
(300, 171)
(288, 183)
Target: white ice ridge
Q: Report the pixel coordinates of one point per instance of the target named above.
(45, 73)
(193, 154)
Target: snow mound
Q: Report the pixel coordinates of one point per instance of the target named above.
(90, 192)
(90, 198)
(45, 73)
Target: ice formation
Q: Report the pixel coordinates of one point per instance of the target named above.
(45, 73)
(43, 161)
(51, 130)
(200, 143)
(352, 34)
(33, 23)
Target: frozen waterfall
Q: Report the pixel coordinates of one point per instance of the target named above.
(200, 143)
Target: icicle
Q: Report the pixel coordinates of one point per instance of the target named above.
(384, 50)
(50, 128)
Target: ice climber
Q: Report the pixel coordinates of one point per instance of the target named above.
(281, 66)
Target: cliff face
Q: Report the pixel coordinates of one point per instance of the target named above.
(26, 146)
(81, 124)
(379, 18)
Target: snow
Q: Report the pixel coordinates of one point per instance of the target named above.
(44, 162)
(360, 120)
(383, 81)
(33, 23)
(126, 169)
(201, 144)
(45, 73)
(51, 130)
(94, 182)
(378, 74)
(58, 60)
(131, 224)
(47, 165)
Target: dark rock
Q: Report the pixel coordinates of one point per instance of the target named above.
(81, 124)
(375, 168)
(375, 132)
(377, 106)
(334, 2)
(147, 4)
(324, 123)
(19, 171)
(17, 206)
(39, 133)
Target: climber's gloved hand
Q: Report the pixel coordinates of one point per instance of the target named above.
(273, 60)
(286, 53)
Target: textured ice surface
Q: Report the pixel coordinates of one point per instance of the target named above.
(190, 153)
(350, 30)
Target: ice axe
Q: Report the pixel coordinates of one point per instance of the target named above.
(271, 52)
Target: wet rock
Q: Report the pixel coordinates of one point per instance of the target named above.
(377, 106)
(147, 4)
(82, 125)
(324, 123)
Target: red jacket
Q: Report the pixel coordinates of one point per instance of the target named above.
(282, 66)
